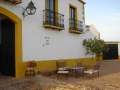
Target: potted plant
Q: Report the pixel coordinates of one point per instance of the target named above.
(94, 47)
(31, 66)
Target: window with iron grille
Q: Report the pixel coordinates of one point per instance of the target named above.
(51, 16)
(75, 25)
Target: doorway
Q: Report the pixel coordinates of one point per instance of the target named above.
(7, 46)
(112, 52)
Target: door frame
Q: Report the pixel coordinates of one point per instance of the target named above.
(18, 40)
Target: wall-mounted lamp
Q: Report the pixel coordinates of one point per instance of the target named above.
(30, 9)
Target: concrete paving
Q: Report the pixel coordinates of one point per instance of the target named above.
(110, 67)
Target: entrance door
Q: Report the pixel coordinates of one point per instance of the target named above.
(7, 57)
(112, 52)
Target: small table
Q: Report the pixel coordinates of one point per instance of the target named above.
(77, 70)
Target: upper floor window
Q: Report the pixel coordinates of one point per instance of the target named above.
(51, 17)
(75, 26)
(73, 17)
(72, 12)
(50, 4)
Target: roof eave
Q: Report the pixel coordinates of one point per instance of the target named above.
(82, 1)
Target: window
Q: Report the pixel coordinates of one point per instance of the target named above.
(50, 4)
(72, 17)
(50, 7)
(75, 26)
(51, 17)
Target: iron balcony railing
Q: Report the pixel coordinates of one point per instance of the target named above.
(76, 25)
(14, 1)
(53, 18)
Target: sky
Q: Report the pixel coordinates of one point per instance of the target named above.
(105, 16)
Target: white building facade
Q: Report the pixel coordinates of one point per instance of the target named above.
(55, 32)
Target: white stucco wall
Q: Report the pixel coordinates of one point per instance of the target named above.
(46, 44)
(119, 48)
(93, 30)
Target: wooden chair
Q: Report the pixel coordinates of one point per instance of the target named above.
(93, 71)
(61, 68)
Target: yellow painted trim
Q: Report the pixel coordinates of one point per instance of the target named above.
(56, 5)
(18, 40)
(118, 57)
(75, 31)
(56, 8)
(82, 1)
(53, 27)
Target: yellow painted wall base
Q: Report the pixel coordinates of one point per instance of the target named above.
(20, 69)
(119, 57)
(50, 65)
(46, 66)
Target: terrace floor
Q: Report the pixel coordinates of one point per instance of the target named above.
(109, 80)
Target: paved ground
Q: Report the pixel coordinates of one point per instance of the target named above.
(8, 83)
(110, 67)
(109, 80)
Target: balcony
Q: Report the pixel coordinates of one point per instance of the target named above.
(53, 20)
(76, 26)
(14, 1)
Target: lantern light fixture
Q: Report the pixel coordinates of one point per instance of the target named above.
(30, 9)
